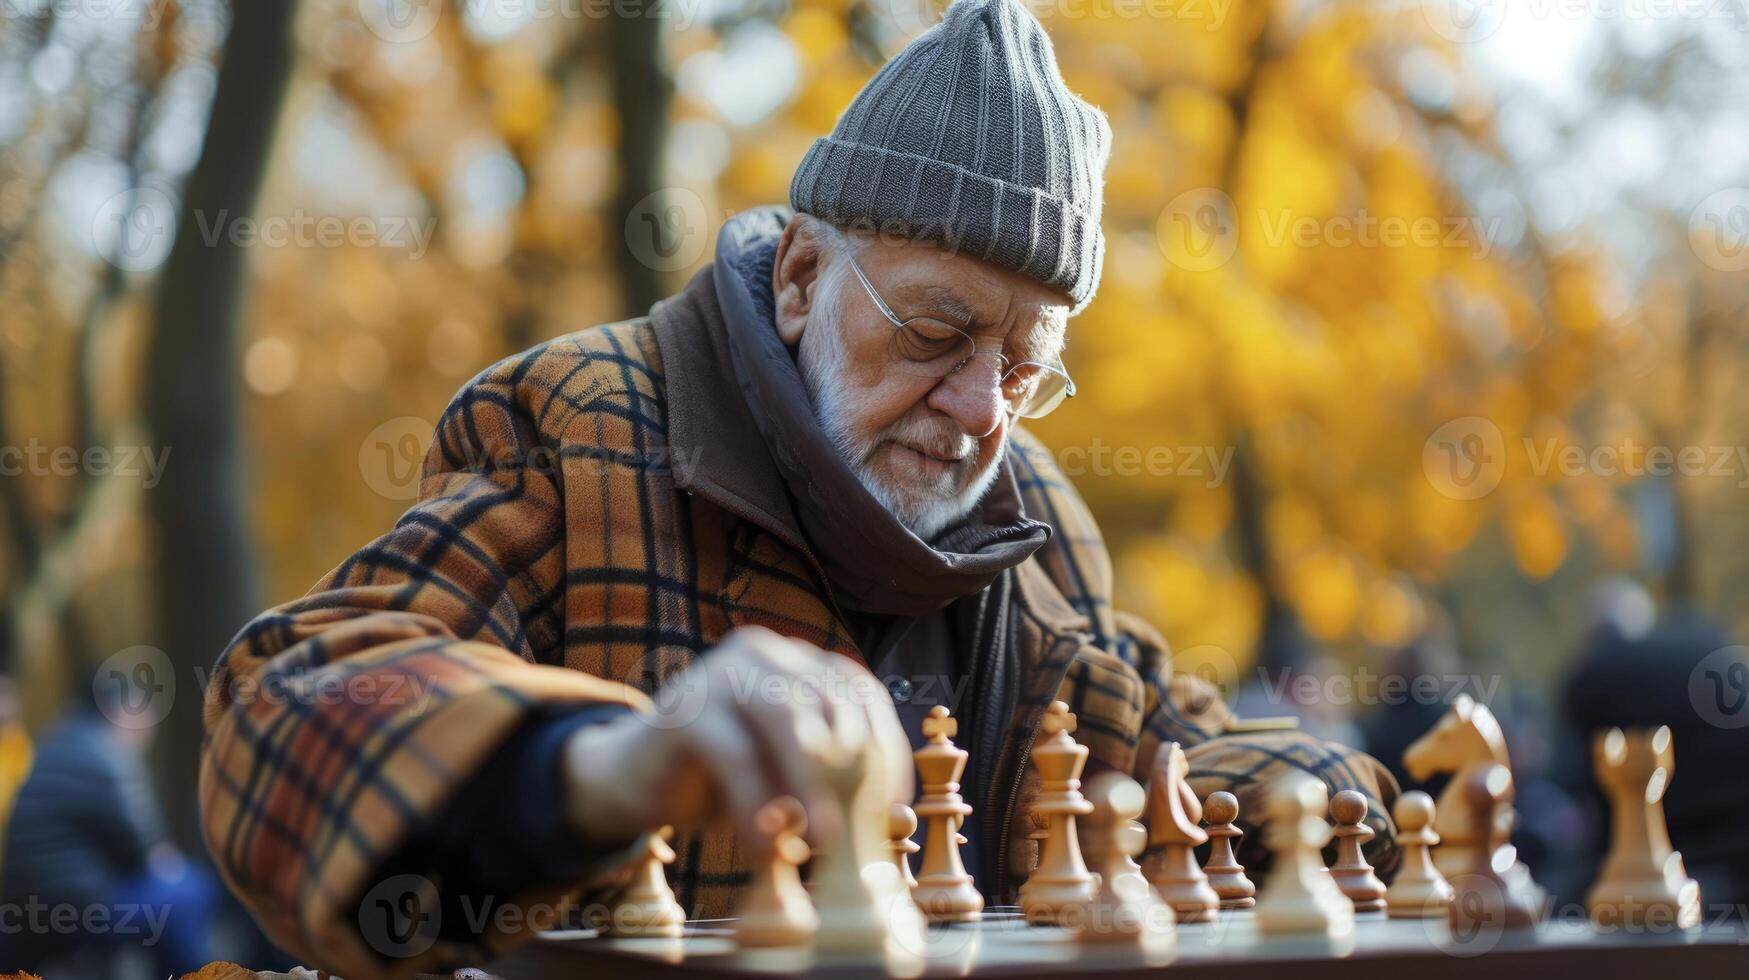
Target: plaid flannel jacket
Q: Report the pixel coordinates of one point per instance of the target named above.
(556, 557)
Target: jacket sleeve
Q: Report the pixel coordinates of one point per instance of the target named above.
(340, 726)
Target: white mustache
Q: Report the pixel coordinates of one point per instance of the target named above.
(934, 437)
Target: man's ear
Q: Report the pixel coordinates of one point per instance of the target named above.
(795, 275)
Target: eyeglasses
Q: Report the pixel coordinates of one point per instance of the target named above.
(935, 349)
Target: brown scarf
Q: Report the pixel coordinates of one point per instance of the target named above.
(875, 563)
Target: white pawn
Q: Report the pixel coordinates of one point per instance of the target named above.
(647, 906)
(1419, 891)
(1299, 897)
(777, 910)
(848, 909)
(861, 901)
(1125, 909)
(1351, 871)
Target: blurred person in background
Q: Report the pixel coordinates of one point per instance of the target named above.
(1430, 670)
(15, 754)
(90, 877)
(1682, 671)
(1293, 680)
(1551, 826)
(1422, 664)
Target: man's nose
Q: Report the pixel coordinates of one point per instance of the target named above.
(972, 396)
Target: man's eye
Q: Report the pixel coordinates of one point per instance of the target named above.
(923, 339)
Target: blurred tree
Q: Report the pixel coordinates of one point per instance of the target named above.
(642, 91)
(206, 565)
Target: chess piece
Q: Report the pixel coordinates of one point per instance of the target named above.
(1299, 897)
(1419, 891)
(1351, 871)
(1643, 882)
(1060, 887)
(777, 910)
(857, 913)
(1173, 814)
(901, 824)
(1467, 734)
(944, 891)
(1483, 897)
(647, 907)
(1125, 909)
(1225, 874)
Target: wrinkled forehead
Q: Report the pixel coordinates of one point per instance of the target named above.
(968, 290)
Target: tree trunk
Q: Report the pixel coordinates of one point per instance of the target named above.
(641, 93)
(205, 580)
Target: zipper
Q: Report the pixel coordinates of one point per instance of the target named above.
(1006, 830)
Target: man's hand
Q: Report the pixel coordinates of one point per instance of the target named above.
(751, 722)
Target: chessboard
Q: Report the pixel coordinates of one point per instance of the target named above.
(1001, 943)
(1460, 904)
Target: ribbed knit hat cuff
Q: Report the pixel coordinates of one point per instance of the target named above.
(891, 193)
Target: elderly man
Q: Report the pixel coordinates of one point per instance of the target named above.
(657, 565)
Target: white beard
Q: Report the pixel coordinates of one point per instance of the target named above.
(924, 510)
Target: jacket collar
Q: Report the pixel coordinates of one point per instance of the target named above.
(727, 462)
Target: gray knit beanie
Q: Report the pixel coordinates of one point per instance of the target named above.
(969, 139)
